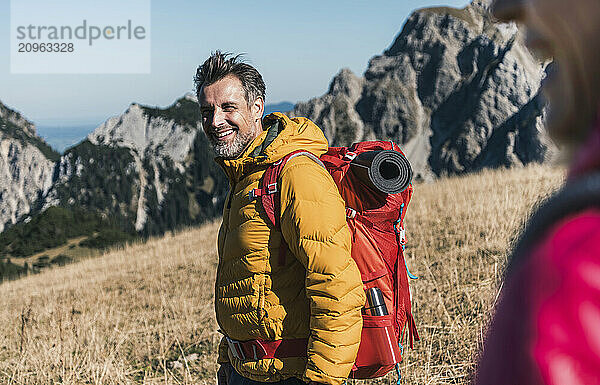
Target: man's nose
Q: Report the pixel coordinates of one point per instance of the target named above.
(218, 118)
(508, 10)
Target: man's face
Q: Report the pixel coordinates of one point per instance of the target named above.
(228, 122)
(567, 31)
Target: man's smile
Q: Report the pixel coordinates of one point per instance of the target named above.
(223, 134)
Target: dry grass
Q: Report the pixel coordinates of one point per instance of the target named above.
(115, 319)
(122, 317)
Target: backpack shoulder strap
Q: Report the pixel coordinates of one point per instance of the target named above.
(573, 198)
(269, 189)
(269, 194)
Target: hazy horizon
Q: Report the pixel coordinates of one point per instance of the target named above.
(62, 136)
(297, 49)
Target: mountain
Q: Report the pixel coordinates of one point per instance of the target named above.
(457, 91)
(26, 166)
(150, 168)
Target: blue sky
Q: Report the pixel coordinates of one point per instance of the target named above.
(297, 46)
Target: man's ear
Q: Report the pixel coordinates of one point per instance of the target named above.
(258, 108)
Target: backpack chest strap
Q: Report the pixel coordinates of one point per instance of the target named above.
(269, 189)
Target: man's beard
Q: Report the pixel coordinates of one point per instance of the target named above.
(235, 148)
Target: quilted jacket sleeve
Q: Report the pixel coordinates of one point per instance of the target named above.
(313, 223)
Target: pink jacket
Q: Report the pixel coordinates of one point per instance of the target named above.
(546, 329)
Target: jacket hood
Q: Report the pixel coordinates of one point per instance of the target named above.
(280, 137)
(587, 157)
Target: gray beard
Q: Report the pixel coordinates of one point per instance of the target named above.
(235, 148)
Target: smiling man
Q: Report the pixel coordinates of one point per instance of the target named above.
(546, 329)
(229, 120)
(288, 300)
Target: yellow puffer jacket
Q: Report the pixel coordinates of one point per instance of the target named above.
(317, 293)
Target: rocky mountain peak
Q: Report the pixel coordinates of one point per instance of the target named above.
(15, 118)
(485, 4)
(152, 130)
(347, 83)
(457, 92)
(144, 152)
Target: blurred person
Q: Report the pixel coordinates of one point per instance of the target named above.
(546, 328)
(289, 314)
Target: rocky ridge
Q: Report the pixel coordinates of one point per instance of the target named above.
(457, 92)
(148, 167)
(25, 168)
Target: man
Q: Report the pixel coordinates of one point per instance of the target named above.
(546, 329)
(289, 313)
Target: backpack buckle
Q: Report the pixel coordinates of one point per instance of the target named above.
(254, 193)
(257, 192)
(399, 230)
(236, 348)
(272, 188)
(350, 213)
(350, 156)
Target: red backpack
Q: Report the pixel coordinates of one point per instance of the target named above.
(376, 222)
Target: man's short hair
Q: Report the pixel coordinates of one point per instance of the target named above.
(219, 65)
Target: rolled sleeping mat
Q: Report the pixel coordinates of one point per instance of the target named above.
(386, 171)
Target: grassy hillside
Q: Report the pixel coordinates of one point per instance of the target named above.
(126, 316)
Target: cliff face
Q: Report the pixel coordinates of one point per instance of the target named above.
(335, 111)
(457, 91)
(26, 166)
(150, 167)
(155, 141)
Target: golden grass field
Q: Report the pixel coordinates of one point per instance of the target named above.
(124, 317)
